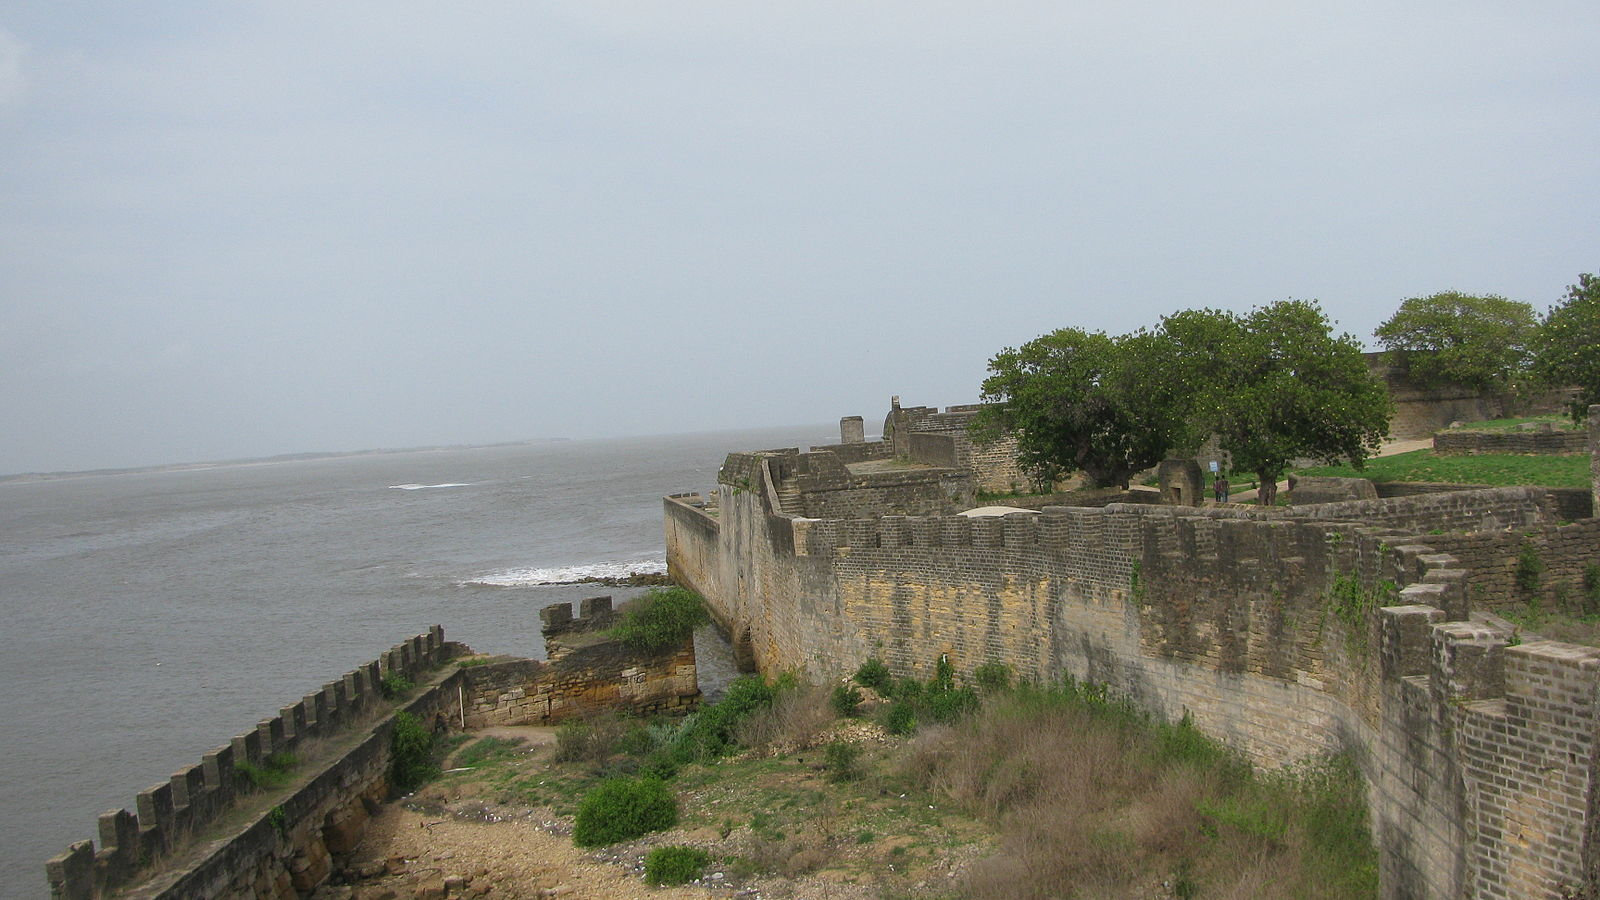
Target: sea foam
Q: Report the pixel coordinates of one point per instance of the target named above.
(424, 487)
(529, 577)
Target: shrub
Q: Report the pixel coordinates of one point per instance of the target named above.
(841, 759)
(993, 677)
(395, 685)
(661, 618)
(674, 864)
(797, 714)
(845, 700)
(592, 740)
(874, 674)
(950, 704)
(1591, 588)
(411, 762)
(1529, 567)
(621, 809)
(901, 718)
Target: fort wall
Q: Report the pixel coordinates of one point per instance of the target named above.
(1334, 627)
(204, 833)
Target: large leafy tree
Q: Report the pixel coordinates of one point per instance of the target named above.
(1450, 337)
(1568, 345)
(1277, 385)
(1085, 401)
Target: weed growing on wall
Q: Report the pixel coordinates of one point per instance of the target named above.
(1353, 603)
(274, 772)
(661, 618)
(411, 761)
(395, 685)
(1530, 568)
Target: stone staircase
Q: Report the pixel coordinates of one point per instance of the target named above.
(789, 499)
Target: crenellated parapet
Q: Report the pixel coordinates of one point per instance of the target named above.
(167, 814)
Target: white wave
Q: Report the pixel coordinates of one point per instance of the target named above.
(424, 487)
(528, 577)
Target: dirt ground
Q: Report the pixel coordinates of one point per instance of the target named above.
(448, 843)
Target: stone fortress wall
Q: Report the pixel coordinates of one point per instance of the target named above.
(1286, 633)
(205, 834)
(202, 834)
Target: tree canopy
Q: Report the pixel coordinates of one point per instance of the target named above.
(1084, 401)
(1479, 341)
(1567, 348)
(1275, 385)
(1279, 385)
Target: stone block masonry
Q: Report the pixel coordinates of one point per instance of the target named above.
(1550, 443)
(1286, 633)
(587, 673)
(170, 847)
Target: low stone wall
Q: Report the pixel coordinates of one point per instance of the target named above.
(861, 452)
(1566, 504)
(934, 450)
(587, 674)
(1550, 443)
(169, 848)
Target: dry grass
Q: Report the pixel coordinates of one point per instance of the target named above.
(1093, 801)
(797, 719)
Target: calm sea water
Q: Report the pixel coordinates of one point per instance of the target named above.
(147, 617)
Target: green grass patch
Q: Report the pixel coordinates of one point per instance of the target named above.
(1555, 420)
(273, 772)
(488, 750)
(1497, 469)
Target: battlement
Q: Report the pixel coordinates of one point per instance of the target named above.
(169, 813)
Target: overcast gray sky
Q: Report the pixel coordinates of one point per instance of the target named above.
(232, 229)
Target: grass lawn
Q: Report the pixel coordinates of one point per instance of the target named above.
(1484, 468)
(1558, 421)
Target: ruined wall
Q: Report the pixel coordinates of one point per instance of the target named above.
(995, 462)
(1535, 442)
(234, 842)
(1420, 411)
(586, 674)
(1283, 636)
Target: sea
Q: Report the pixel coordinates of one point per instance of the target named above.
(148, 616)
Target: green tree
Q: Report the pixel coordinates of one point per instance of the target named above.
(1450, 337)
(1277, 385)
(1567, 348)
(1085, 401)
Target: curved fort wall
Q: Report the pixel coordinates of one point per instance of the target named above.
(1336, 629)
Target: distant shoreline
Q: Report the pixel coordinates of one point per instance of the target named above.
(34, 477)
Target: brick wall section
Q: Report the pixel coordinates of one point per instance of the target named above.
(1285, 634)
(261, 857)
(995, 462)
(1493, 558)
(934, 449)
(1594, 457)
(1567, 504)
(1548, 443)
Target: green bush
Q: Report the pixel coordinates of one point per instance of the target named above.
(395, 685)
(874, 674)
(1529, 567)
(993, 677)
(674, 864)
(949, 704)
(272, 773)
(411, 762)
(841, 760)
(621, 809)
(901, 718)
(661, 618)
(845, 700)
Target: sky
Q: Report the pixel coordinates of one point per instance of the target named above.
(242, 229)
